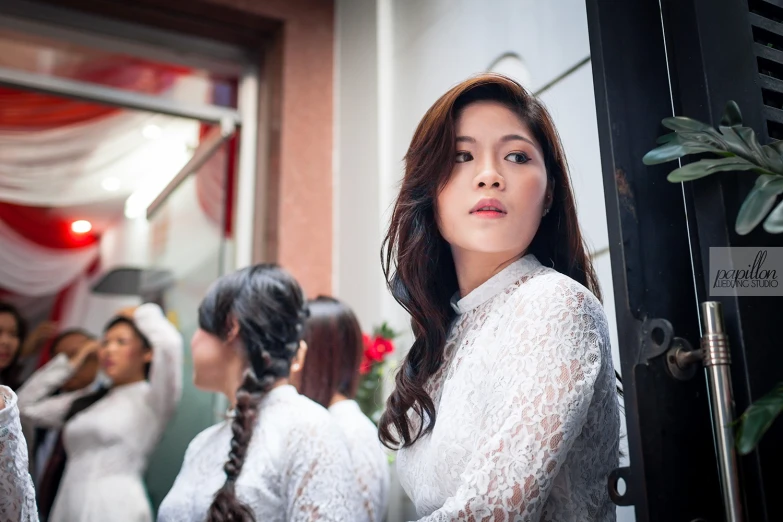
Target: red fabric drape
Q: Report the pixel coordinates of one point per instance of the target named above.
(40, 226)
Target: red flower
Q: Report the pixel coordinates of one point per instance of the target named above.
(378, 349)
(383, 346)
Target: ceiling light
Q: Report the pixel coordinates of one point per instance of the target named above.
(111, 184)
(81, 226)
(152, 132)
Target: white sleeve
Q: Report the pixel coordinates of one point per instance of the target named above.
(320, 484)
(166, 369)
(544, 382)
(37, 405)
(17, 495)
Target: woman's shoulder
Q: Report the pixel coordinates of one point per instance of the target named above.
(548, 289)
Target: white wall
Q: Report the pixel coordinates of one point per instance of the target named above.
(394, 59)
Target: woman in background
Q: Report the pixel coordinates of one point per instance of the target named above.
(13, 332)
(46, 450)
(330, 376)
(18, 347)
(279, 457)
(109, 434)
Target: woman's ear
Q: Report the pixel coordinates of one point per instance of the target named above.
(233, 330)
(299, 359)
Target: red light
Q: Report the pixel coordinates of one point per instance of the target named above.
(81, 226)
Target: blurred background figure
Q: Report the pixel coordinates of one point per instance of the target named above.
(330, 376)
(277, 456)
(45, 447)
(19, 351)
(108, 434)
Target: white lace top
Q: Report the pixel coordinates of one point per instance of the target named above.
(17, 496)
(297, 468)
(370, 463)
(527, 412)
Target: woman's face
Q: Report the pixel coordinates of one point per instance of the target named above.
(495, 197)
(9, 339)
(85, 375)
(122, 355)
(213, 361)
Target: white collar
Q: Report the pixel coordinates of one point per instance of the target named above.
(495, 284)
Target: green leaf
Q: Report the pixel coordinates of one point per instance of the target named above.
(758, 203)
(666, 138)
(671, 151)
(742, 142)
(732, 116)
(681, 123)
(774, 222)
(707, 167)
(777, 146)
(773, 157)
(758, 418)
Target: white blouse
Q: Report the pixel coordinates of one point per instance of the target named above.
(370, 463)
(17, 496)
(108, 444)
(297, 467)
(528, 422)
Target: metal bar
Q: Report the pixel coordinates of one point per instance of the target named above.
(717, 360)
(211, 142)
(121, 37)
(249, 89)
(762, 51)
(114, 97)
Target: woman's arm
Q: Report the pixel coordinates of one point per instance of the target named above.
(17, 496)
(166, 371)
(36, 403)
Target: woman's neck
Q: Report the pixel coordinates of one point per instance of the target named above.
(128, 381)
(476, 268)
(231, 390)
(338, 397)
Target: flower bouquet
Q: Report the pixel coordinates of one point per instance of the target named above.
(369, 394)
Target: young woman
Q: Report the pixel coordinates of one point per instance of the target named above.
(19, 348)
(17, 501)
(505, 408)
(279, 457)
(45, 447)
(13, 331)
(330, 376)
(109, 434)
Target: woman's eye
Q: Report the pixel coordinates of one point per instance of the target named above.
(518, 157)
(462, 157)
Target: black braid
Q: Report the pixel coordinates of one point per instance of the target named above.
(226, 507)
(269, 307)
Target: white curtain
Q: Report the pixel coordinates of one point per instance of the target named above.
(33, 270)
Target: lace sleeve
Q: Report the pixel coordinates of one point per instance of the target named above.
(546, 364)
(36, 403)
(320, 482)
(166, 371)
(17, 496)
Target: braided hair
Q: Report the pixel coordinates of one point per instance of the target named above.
(269, 307)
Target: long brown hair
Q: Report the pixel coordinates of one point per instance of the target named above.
(334, 351)
(417, 261)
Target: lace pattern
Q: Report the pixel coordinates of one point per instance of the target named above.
(370, 463)
(297, 469)
(528, 419)
(17, 495)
